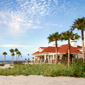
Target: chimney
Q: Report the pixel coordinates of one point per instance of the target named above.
(74, 43)
(55, 44)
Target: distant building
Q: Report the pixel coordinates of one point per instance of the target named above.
(48, 54)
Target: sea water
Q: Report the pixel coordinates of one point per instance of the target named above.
(8, 61)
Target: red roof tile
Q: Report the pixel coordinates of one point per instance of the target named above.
(61, 49)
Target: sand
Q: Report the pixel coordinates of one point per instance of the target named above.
(6, 66)
(40, 80)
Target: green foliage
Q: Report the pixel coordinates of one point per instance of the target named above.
(19, 53)
(79, 24)
(75, 70)
(54, 37)
(13, 54)
(66, 55)
(69, 35)
(11, 50)
(16, 50)
(4, 53)
(2, 64)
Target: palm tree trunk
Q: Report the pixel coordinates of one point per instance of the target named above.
(68, 52)
(56, 60)
(4, 58)
(82, 34)
(16, 56)
(12, 59)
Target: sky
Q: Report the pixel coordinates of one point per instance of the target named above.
(26, 24)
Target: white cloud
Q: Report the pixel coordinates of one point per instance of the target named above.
(26, 15)
(22, 46)
(56, 1)
(60, 25)
(37, 27)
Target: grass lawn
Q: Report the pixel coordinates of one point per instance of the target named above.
(75, 70)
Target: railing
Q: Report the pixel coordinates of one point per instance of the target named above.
(46, 61)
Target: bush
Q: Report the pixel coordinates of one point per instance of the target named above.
(2, 64)
(75, 70)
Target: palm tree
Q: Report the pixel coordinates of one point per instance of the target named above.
(4, 53)
(67, 36)
(28, 54)
(13, 57)
(16, 50)
(25, 59)
(55, 37)
(28, 59)
(11, 51)
(21, 57)
(80, 25)
(19, 53)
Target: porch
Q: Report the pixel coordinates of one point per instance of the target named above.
(50, 59)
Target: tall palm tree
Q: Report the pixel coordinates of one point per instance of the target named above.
(80, 25)
(67, 36)
(28, 54)
(21, 57)
(11, 51)
(25, 59)
(16, 50)
(28, 58)
(13, 57)
(4, 53)
(19, 53)
(55, 37)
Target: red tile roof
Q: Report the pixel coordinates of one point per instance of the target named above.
(61, 49)
(64, 49)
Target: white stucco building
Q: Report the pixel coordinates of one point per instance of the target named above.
(48, 54)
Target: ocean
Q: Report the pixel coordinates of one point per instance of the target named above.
(8, 61)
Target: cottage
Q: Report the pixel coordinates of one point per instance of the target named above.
(48, 54)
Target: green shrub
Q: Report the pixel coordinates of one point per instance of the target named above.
(2, 64)
(75, 70)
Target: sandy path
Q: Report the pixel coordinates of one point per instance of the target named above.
(6, 66)
(40, 80)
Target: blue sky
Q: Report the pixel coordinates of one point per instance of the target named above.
(26, 24)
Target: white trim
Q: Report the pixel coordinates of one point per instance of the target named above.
(43, 54)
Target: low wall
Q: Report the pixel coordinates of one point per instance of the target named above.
(18, 62)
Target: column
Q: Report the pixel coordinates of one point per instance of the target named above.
(60, 56)
(44, 58)
(53, 59)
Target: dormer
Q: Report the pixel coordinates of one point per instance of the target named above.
(40, 49)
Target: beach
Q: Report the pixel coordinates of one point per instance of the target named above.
(40, 80)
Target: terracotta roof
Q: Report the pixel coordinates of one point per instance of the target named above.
(64, 49)
(61, 49)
